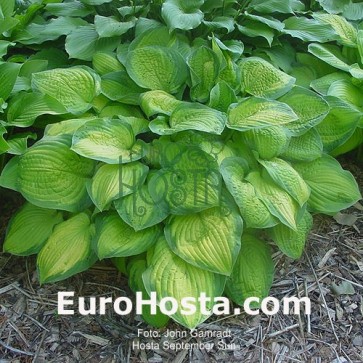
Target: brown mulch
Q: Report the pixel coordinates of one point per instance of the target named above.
(330, 273)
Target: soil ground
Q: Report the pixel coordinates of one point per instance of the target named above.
(330, 273)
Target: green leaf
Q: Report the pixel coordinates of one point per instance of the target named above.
(84, 41)
(322, 84)
(339, 125)
(118, 86)
(278, 201)
(209, 240)
(329, 54)
(157, 68)
(204, 70)
(112, 182)
(261, 79)
(190, 182)
(284, 175)
(310, 108)
(73, 8)
(333, 6)
(115, 238)
(108, 140)
(256, 113)
(6, 8)
(8, 74)
(29, 229)
(253, 272)
(195, 116)
(170, 276)
(271, 22)
(10, 174)
(354, 141)
(220, 22)
(74, 88)
(154, 102)
(68, 250)
(290, 242)
(332, 188)
(309, 30)
(353, 11)
(24, 108)
(108, 26)
(66, 127)
(3, 144)
(53, 176)
(347, 33)
(254, 29)
(18, 143)
(95, 2)
(254, 212)
(36, 33)
(269, 142)
(272, 6)
(222, 96)
(183, 15)
(306, 147)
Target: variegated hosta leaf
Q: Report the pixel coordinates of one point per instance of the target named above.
(24, 108)
(253, 272)
(196, 116)
(308, 106)
(53, 176)
(278, 201)
(157, 68)
(29, 229)
(209, 240)
(74, 88)
(322, 84)
(347, 33)
(256, 113)
(140, 211)
(136, 283)
(347, 91)
(290, 242)
(154, 102)
(254, 212)
(339, 125)
(204, 70)
(104, 63)
(109, 140)
(68, 250)
(332, 188)
(284, 175)
(269, 142)
(262, 79)
(306, 147)
(114, 181)
(354, 141)
(190, 184)
(115, 238)
(309, 30)
(170, 276)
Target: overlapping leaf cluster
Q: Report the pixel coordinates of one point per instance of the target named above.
(180, 136)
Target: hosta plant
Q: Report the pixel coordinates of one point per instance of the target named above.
(183, 140)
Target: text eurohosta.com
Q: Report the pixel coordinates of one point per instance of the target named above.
(186, 306)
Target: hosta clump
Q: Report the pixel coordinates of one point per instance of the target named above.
(181, 157)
